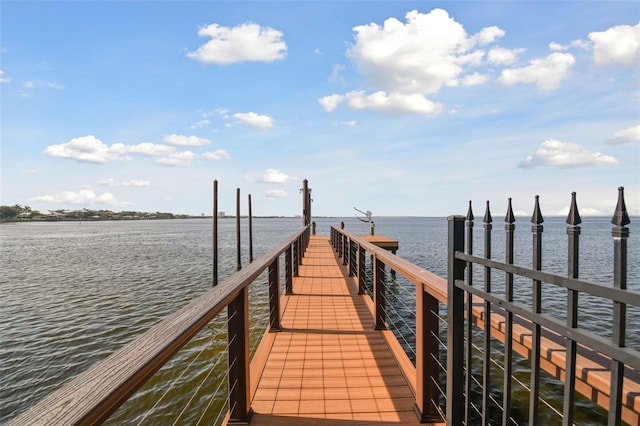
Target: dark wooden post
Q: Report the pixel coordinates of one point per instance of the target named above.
(274, 295)
(294, 258)
(573, 232)
(486, 362)
(361, 270)
(345, 250)
(238, 252)
(427, 356)
(455, 323)
(378, 294)
(536, 307)
(288, 268)
(238, 337)
(250, 231)
(507, 396)
(620, 233)
(215, 233)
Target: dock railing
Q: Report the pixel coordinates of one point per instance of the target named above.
(94, 395)
(604, 370)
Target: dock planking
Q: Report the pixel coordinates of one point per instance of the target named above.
(328, 365)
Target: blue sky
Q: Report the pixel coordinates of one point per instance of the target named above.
(401, 108)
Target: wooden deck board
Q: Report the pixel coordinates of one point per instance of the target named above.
(328, 365)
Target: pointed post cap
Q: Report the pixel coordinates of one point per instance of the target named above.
(510, 217)
(537, 218)
(487, 214)
(620, 216)
(574, 216)
(470, 213)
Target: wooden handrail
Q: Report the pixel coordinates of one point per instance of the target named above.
(94, 395)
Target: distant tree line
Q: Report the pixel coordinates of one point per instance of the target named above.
(26, 213)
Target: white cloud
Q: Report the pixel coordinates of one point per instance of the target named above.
(335, 74)
(330, 103)
(82, 197)
(274, 194)
(419, 57)
(502, 56)
(555, 153)
(182, 140)
(617, 45)
(4, 79)
(246, 42)
(145, 148)
(393, 103)
(489, 35)
(177, 159)
(474, 79)
(199, 124)
(92, 150)
(218, 154)
(276, 176)
(125, 183)
(85, 149)
(254, 120)
(547, 73)
(626, 136)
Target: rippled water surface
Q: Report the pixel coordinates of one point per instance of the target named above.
(72, 293)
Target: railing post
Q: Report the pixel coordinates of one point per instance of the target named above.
(507, 396)
(469, 309)
(294, 258)
(378, 294)
(345, 250)
(361, 270)
(238, 337)
(620, 234)
(274, 295)
(455, 323)
(427, 356)
(353, 262)
(536, 307)
(573, 232)
(486, 362)
(288, 270)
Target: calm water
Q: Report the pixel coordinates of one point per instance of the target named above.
(72, 293)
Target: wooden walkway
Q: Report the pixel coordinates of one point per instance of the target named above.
(328, 365)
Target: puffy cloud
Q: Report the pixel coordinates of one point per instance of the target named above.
(547, 73)
(617, 45)
(330, 103)
(92, 150)
(125, 183)
(181, 140)
(474, 79)
(502, 56)
(555, 153)
(254, 120)
(393, 103)
(4, 79)
(218, 154)
(82, 197)
(246, 42)
(626, 136)
(177, 159)
(421, 56)
(85, 149)
(276, 176)
(275, 193)
(145, 148)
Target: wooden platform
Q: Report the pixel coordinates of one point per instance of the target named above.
(382, 242)
(328, 365)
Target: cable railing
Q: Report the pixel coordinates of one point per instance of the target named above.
(95, 395)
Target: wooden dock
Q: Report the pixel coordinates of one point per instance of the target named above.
(328, 365)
